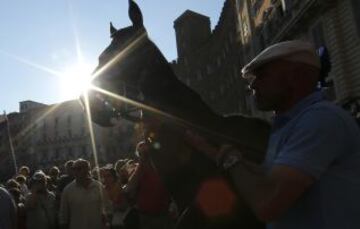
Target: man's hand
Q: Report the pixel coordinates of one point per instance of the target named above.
(202, 145)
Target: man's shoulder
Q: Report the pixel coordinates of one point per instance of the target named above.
(3, 192)
(4, 195)
(65, 178)
(327, 111)
(5, 199)
(51, 195)
(70, 186)
(328, 123)
(324, 105)
(96, 183)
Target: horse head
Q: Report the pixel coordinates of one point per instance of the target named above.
(132, 66)
(133, 74)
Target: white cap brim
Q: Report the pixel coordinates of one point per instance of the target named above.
(293, 51)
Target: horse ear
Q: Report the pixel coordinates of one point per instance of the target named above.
(135, 14)
(113, 30)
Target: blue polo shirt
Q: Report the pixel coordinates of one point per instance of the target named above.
(323, 141)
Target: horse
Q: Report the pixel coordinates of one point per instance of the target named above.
(134, 81)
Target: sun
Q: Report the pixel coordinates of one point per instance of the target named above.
(75, 80)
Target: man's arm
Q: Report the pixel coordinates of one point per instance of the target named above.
(271, 195)
(131, 187)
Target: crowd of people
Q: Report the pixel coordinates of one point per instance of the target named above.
(126, 194)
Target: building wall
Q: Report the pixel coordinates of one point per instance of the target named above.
(187, 38)
(213, 70)
(61, 134)
(28, 105)
(343, 41)
(13, 124)
(51, 135)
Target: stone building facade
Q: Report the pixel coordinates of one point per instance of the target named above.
(246, 27)
(209, 62)
(47, 135)
(330, 23)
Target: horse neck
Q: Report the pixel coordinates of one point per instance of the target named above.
(179, 99)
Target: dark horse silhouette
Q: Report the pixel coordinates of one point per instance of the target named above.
(133, 67)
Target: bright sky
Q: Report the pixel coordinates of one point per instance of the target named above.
(38, 41)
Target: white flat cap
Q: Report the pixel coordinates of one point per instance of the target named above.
(294, 51)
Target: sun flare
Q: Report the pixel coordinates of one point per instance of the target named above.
(75, 80)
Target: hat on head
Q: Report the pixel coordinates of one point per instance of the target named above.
(293, 51)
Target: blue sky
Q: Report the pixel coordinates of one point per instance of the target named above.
(43, 34)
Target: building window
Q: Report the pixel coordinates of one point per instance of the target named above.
(69, 120)
(231, 38)
(209, 69)
(227, 47)
(183, 45)
(287, 5)
(356, 10)
(82, 130)
(82, 119)
(83, 150)
(57, 154)
(317, 33)
(186, 63)
(218, 61)
(198, 75)
(56, 126)
(188, 81)
(222, 89)
(70, 152)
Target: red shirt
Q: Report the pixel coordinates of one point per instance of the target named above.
(153, 198)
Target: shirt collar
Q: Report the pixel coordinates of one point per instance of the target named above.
(280, 120)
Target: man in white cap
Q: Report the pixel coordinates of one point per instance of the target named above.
(310, 177)
(83, 204)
